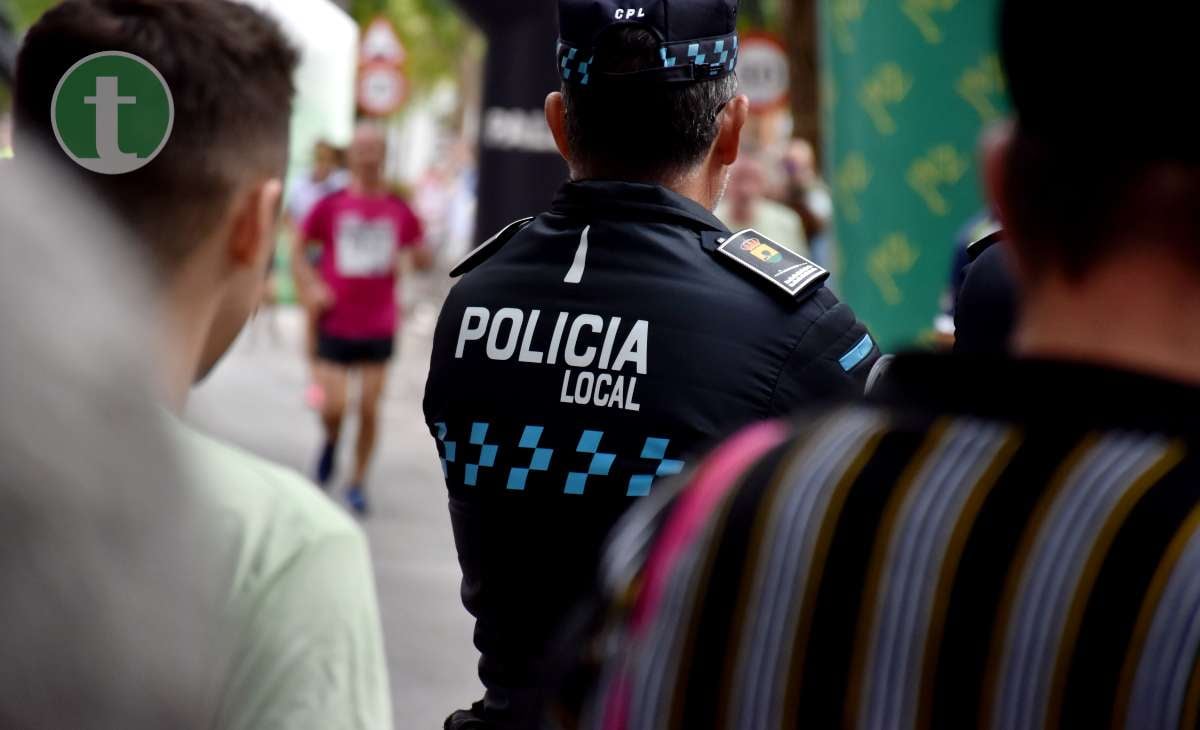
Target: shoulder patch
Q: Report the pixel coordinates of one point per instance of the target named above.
(855, 355)
(774, 265)
(484, 251)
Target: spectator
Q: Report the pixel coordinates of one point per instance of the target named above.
(1005, 543)
(806, 192)
(327, 176)
(296, 583)
(106, 621)
(747, 206)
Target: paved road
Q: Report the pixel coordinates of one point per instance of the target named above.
(255, 399)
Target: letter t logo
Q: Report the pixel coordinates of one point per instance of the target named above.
(107, 102)
(112, 112)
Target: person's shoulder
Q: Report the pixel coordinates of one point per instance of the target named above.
(298, 185)
(401, 210)
(328, 202)
(295, 586)
(400, 203)
(778, 210)
(259, 498)
(335, 197)
(339, 179)
(484, 251)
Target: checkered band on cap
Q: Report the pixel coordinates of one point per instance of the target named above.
(712, 57)
(699, 60)
(572, 65)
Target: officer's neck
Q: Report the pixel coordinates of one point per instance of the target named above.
(701, 187)
(701, 184)
(1138, 312)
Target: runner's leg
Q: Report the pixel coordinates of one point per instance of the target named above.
(332, 379)
(374, 376)
(314, 394)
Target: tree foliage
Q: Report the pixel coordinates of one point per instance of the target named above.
(24, 12)
(761, 14)
(434, 34)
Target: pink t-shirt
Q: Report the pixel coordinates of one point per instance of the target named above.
(359, 239)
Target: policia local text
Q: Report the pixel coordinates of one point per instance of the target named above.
(579, 340)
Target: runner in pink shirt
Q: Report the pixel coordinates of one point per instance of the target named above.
(361, 232)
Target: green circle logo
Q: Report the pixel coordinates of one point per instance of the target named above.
(112, 112)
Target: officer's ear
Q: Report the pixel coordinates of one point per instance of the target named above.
(556, 119)
(729, 137)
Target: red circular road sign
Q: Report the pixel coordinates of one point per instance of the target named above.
(763, 72)
(382, 88)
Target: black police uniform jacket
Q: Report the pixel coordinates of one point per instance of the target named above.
(581, 359)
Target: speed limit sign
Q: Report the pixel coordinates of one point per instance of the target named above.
(762, 71)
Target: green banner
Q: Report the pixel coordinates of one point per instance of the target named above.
(907, 87)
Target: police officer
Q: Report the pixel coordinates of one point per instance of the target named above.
(586, 352)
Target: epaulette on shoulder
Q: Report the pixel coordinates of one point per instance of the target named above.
(484, 251)
(774, 266)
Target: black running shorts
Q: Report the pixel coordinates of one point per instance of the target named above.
(354, 352)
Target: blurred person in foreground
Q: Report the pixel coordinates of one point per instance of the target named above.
(326, 177)
(361, 232)
(746, 205)
(990, 542)
(586, 352)
(297, 583)
(107, 619)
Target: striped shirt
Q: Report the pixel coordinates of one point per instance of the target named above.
(987, 544)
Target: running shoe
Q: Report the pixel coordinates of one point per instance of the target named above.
(357, 499)
(326, 464)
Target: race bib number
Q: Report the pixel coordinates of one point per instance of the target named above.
(365, 247)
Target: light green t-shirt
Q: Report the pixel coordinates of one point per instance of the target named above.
(308, 651)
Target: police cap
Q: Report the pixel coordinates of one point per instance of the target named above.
(699, 38)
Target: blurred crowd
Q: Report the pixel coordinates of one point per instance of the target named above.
(783, 195)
